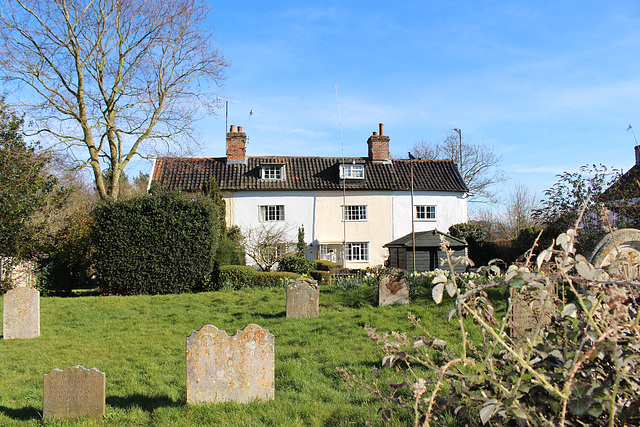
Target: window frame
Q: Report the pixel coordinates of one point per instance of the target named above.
(266, 212)
(428, 214)
(348, 171)
(272, 172)
(362, 251)
(354, 213)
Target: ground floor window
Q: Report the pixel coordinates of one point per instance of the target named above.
(357, 251)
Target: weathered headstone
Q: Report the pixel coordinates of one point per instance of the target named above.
(303, 298)
(526, 312)
(21, 313)
(393, 288)
(74, 392)
(223, 368)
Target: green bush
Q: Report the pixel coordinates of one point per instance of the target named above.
(158, 244)
(324, 265)
(467, 231)
(236, 276)
(323, 277)
(296, 264)
(230, 250)
(272, 279)
(525, 237)
(242, 276)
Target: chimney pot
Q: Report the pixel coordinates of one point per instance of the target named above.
(375, 133)
(239, 128)
(637, 155)
(381, 126)
(233, 128)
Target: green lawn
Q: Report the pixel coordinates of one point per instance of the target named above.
(139, 342)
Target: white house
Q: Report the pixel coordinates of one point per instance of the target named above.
(349, 207)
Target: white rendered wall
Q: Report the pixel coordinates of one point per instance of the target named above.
(451, 208)
(298, 211)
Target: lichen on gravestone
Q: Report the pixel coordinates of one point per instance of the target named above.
(223, 368)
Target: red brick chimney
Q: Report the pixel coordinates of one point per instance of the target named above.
(236, 146)
(378, 145)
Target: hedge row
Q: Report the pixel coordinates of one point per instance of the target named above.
(240, 276)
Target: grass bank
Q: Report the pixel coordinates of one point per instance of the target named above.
(139, 342)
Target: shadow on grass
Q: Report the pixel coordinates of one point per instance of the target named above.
(355, 298)
(26, 413)
(272, 315)
(146, 403)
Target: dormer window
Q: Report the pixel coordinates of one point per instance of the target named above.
(272, 172)
(351, 171)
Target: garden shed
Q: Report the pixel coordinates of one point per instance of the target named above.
(428, 254)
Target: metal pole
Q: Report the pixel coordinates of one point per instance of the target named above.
(413, 229)
(226, 116)
(460, 148)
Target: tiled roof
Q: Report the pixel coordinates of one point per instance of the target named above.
(625, 188)
(306, 173)
(426, 239)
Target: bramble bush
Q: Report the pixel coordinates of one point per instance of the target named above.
(579, 365)
(421, 283)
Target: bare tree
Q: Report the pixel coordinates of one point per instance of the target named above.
(267, 244)
(110, 79)
(492, 222)
(519, 210)
(477, 163)
(514, 215)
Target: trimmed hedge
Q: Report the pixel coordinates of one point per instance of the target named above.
(324, 265)
(273, 279)
(236, 276)
(155, 244)
(296, 264)
(239, 276)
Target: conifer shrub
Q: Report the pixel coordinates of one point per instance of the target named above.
(155, 244)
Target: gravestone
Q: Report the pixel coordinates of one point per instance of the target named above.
(526, 312)
(303, 298)
(74, 392)
(223, 368)
(393, 288)
(21, 313)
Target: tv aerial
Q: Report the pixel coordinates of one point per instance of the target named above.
(634, 134)
(226, 115)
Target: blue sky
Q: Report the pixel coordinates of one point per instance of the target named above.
(550, 86)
